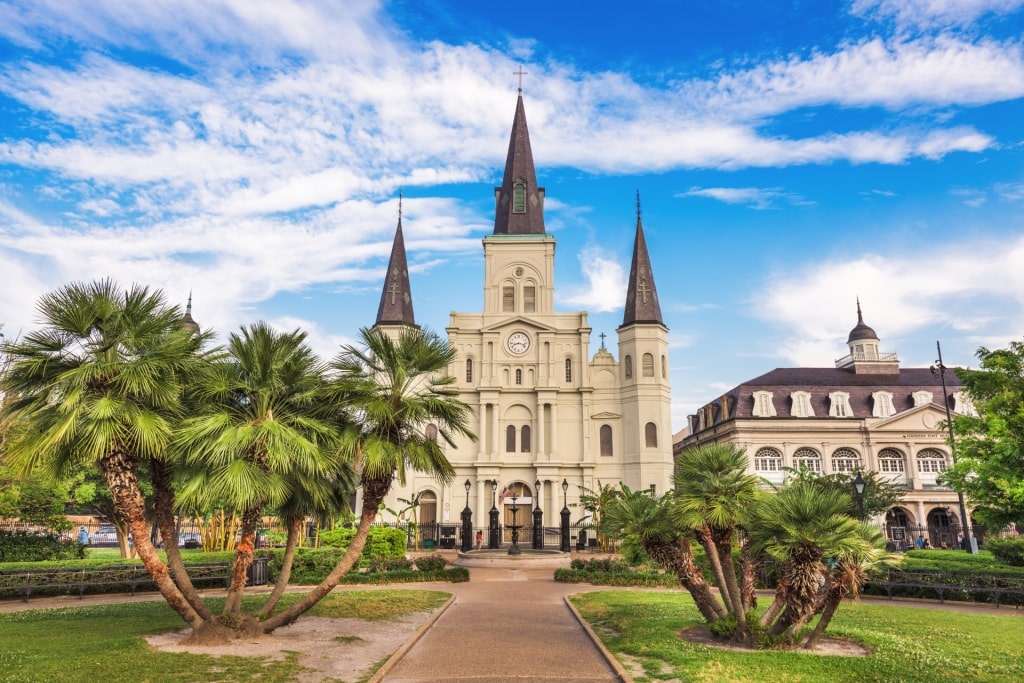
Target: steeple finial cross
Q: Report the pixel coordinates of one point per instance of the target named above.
(520, 73)
(638, 206)
(399, 205)
(602, 336)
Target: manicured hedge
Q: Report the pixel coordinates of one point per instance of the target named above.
(1008, 550)
(24, 546)
(603, 578)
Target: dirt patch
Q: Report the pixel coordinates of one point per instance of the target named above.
(331, 649)
(841, 647)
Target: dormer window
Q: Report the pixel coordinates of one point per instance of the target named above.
(763, 406)
(801, 404)
(922, 398)
(519, 197)
(839, 404)
(882, 404)
(963, 404)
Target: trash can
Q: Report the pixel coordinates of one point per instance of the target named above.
(256, 574)
(428, 544)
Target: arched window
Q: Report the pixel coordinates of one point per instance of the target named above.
(431, 432)
(508, 299)
(845, 460)
(606, 440)
(763, 404)
(882, 405)
(510, 439)
(519, 197)
(629, 367)
(651, 435)
(524, 439)
(469, 370)
(529, 299)
(890, 461)
(568, 369)
(839, 404)
(648, 365)
(807, 458)
(801, 404)
(768, 460)
(931, 461)
(664, 367)
(519, 376)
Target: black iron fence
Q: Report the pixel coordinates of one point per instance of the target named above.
(928, 537)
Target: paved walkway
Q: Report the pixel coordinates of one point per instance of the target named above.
(505, 625)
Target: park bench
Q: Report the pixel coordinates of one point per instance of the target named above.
(128, 577)
(971, 586)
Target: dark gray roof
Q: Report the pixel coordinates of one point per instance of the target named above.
(861, 331)
(396, 298)
(519, 169)
(641, 294)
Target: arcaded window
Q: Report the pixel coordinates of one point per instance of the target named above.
(768, 460)
(807, 458)
(568, 369)
(508, 299)
(845, 460)
(628, 365)
(519, 376)
(510, 439)
(529, 299)
(606, 440)
(524, 439)
(890, 461)
(651, 435)
(648, 362)
(469, 369)
(931, 461)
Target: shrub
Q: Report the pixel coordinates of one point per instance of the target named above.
(1008, 550)
(25, 546)
(389, 564)
(431, 563)
(383, 542)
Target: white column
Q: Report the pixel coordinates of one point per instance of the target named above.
(499, 439)
(482, 442)
(540, 429)
(554, 428)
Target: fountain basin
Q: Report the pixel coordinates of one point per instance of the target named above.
(527, 559)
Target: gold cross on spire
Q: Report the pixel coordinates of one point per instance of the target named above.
(520, 73)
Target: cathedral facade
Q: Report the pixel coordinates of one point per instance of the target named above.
(552, 422)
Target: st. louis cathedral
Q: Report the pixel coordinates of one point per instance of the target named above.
(545, 410)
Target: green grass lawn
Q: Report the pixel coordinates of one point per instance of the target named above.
(910, 645)
(101, 644)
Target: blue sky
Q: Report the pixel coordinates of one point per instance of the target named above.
(790, 158)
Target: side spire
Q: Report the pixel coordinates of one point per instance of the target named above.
(396, 298)
(519, 203)
(641, 295)
(186, 320)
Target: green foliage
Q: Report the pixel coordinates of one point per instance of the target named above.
(604, 564)
(450, 575)
(603, 578)
(985, 562)
(431, 563)
(990, 447)
(383, 542)
(1008, 550)
(880, 494)
(309, 566)
(23, 546)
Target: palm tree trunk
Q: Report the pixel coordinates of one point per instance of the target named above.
(678, 557)
(722, 540)
(118, 469)
(374, 491)
(281, 584)
(832, 602)
(749, 566)
(163, 495)
(704, 537)
(780, 601)
(243, 558)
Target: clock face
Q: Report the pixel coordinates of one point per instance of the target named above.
(518, 342)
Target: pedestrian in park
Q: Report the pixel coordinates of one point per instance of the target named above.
(919, 542)
(83, 536)
(960, 542)
(479, 539)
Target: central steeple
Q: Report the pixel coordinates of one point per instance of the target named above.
(519, 203)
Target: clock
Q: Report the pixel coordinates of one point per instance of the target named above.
(518, 342)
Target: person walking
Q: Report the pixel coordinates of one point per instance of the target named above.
(83, 536)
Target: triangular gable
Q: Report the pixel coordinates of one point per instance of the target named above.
(518, 321)
(928, 417)
(606, 416)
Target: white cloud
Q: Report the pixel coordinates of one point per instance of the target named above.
(754, 197)
(932, 13)
(606, 283)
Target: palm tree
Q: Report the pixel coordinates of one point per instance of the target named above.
(638, 517)
(101, 383)
(713, 491)
(262, 425)
(392, 389)
(800, 526)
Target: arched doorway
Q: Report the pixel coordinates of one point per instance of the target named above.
(899, 528)
(943, 527)
(427, 518)
(516, 503)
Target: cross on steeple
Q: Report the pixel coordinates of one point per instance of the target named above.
(520, 73)
(638, 205)
(602, 336)
(394, 289)
(643, 288)
(399, 205)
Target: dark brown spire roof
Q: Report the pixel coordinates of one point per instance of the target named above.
(861, 331)
(519, 203)
(186, 320)
(396, 298)
(641, 295)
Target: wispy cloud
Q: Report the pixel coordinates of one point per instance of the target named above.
(605, 283)
(754, 197)
(933, 13)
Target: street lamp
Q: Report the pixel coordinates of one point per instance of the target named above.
(514, 550)
(538, 518)
(467, 522)
(493, 540)
(564, 547)
(940, 369)
(858, 489)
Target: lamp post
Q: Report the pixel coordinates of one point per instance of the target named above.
(940, 369)
(514, 550)
(564, 547)
(493, 540)
(858, 489)
(538, 518)
(467, 522)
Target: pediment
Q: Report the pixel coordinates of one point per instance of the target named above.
(926, 418)
(519, 321)
(606, 416)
